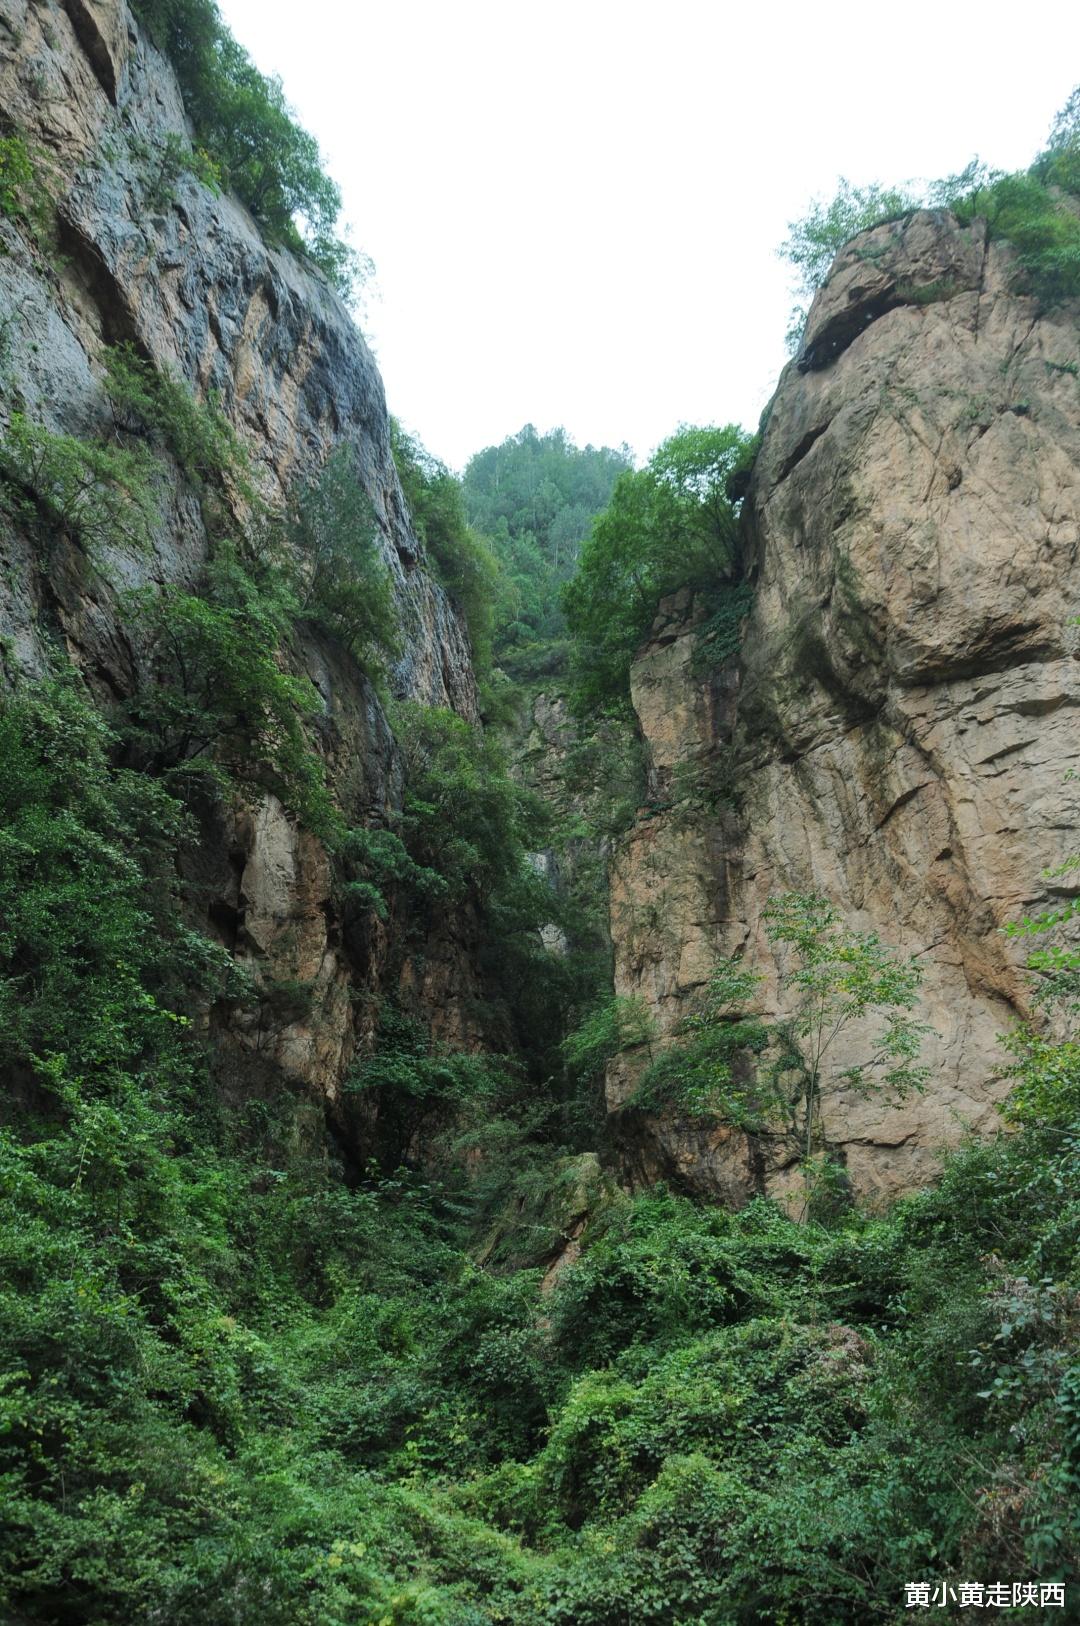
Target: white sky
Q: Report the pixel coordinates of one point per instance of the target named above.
(573, 209)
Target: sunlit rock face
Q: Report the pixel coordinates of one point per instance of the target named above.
(902, 721)
(184, 275)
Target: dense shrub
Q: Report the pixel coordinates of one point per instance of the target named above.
(668, 525)
(160, 404)
(464, 816)
(102, 495)
(220, 707)
(345, 583)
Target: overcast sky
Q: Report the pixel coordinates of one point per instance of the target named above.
(574, 209)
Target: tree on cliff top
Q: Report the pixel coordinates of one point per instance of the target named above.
(668, 525)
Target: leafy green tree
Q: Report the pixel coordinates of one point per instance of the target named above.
(758, 1073)
(346, 585)
(464, 816)
(840, 979)
(814, 241)
(535, 497)
(668, 525)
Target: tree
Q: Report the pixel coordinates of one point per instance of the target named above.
(814, 241)
(758, 1073)
(331, 525)
(668, 525)
(535, 497)
(839, 979)
(242, 119)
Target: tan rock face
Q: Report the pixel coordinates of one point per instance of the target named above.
(185, 276)
(905, 716)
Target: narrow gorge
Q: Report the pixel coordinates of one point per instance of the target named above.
(377, 1246)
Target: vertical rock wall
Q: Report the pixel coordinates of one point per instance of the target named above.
(903, 719)
(185, 275)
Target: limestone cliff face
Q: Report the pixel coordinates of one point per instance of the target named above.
(902, 721)
(192, 284)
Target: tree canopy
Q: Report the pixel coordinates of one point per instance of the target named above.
(668, 525)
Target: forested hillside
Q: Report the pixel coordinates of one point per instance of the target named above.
(540, 1078)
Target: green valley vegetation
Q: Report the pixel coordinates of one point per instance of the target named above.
(244, 1383)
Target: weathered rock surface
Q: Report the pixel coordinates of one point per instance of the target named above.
(904, 716)
(161, 261)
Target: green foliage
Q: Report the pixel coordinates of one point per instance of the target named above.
(16, 176)
(248, 131)
(615, 1025)
(839, 978)
(464, 816)
(159, 404)
(754, 1072)
(101, 495)
(237, 1386)
(219, 707)
(710, 1069)
(535, 497)
(346, 588)
(668, 525)
(1034, 209)
(167, 161)
(720, 634)
(814, 241)
(415, 1086)
(375, 861)
(1044, 228)
(462, 561)
(95, 961)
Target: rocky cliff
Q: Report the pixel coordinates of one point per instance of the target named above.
(900, 727)
(183, 274)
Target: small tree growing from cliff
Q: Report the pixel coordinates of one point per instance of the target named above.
(758, 1073)
(840, 979)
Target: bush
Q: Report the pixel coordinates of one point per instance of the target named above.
(814, 241)
(219, 706)
(615, 1025)
(345, 584)
(16, 176)
(102, 495)
(95, 963)
(197, 434)
(1028, 210)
